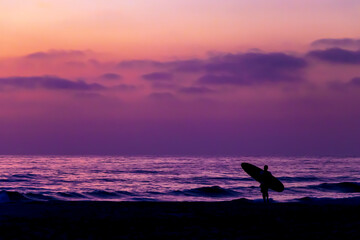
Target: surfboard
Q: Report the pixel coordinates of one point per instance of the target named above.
(256, 173)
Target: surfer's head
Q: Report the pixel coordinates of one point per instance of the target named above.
(266, 167)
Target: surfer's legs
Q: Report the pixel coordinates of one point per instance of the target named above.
(265, 196)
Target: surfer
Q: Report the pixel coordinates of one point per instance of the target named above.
(264, 186)
(265, 178)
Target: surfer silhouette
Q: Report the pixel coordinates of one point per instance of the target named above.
(264, 183)
(265, 178)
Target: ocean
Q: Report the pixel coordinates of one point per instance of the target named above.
(149, 178)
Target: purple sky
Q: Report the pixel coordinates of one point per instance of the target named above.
(245, 103)
(250, 77)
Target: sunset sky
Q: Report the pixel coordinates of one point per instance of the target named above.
(244, 77)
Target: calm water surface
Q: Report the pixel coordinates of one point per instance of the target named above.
(173, 178)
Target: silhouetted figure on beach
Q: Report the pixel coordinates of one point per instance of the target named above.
(265, 178)
(264, 186)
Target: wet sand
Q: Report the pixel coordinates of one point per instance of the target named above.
(239, 219)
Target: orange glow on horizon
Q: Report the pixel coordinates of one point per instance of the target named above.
(140, 29)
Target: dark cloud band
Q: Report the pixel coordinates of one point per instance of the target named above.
(337, 42)
(47, 82)
(337, 55)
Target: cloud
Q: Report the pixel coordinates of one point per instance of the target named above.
(164, 85)
(222, 79)
(189, 114)
(158, 76)
(125, 87)
(253, 68)
(88, 95)
(75, 64)
(236, 69)
(167, 96)
(139, 63)
(337, 42)
(190, 65)
(267, 63)
(53, 54)
(336, 55)
(47, 82)
(355, 81)
(195, 90)
(111, 76)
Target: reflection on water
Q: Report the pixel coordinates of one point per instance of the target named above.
(174, 178)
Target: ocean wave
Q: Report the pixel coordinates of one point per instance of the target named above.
(144, 171)
(71, 195)
(38, 197)
(209, 179)
(96, 195)
(344, 187)
(314, 200)
(18, 177)
(144, 199)
(102, 194)
(27, 175)
(125, 193)
(299, 179)
(10, 196)
(13, 180)
(214, 191)
(110, 180)
(13, 196)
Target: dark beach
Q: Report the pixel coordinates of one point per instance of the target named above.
(238, 219)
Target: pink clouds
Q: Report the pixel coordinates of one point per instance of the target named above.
(47, 83)
(56, 54)
(158, 76)
(339, 43)
(111, 76)
(337, 55)
(235, 103)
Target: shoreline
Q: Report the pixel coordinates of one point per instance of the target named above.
(205, 196)
(237, 219)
